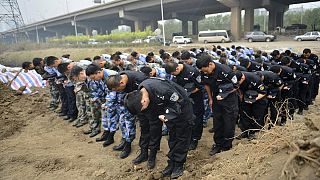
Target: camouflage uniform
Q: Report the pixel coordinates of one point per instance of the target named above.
(118, 116)
(83, 101)
(51, 73)
(97, 95)
(207, 109)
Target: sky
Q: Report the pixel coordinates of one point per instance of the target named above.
(38, 10)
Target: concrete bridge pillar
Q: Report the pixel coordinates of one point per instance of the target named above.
(236, 22)
(184, 27)
(138, 26)
(195, 27)
(154, 25)
(248, 19)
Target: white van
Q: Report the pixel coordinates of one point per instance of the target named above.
(214, 36)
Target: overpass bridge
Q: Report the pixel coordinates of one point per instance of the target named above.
(141, 13)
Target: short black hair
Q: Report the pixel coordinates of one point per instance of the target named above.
(63, 67)
(50, 60)
(285, 60)
(132, 101)
(66, 56)
(26, 65)
(203, 61)
(96, 58)
(134, 54)
(165, 56)
(185, 55)
(171, 67)
(146, 70)
(306, 50)
(37, 61)
(276, 69)
(75, 71)
(150, 54)
(287, 52)
(93, 69)
(161, 51)
(113, 81)
(88, 59)
(275, 53)
(259, 60)
(115, 57)
(244, 62)
(118, 53)
(148, 58)
(233, 53)
(176, 54)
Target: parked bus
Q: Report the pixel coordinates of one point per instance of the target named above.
(214, 36)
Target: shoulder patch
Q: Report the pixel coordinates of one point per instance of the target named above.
(174, 97)
(261, 87)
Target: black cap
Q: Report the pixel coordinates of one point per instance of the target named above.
(225, 90)
(250, 96)
(132, 101)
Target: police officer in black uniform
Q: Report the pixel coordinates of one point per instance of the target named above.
(128, 81)
(316, 76)
(171, 104)
(288, 77)
(273, 84)
(190, 78)
(225, 101)
(253, 103)
(251, 66)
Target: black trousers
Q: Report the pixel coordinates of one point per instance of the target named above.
(274, 105)
(151, 131)
(316, 86)
(71, 102)
(304, 92)
(180, 134)
(288, 101)
(252, 115)
(225, 114)
(63, 98)
(198, 110)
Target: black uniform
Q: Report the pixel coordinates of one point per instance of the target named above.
(287, 93)
(169, 99)
(254, 66)
(225, 111)
(190, 78)
(273, 83)
(134, 79)
(252, 114)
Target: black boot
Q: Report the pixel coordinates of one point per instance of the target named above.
(120, 146)
(193, 144)
(215, 150)
(152, 159)
(109, 140)
(142, 157)
(126, 150)
(177, 170)
(168, 170)
(103, 137)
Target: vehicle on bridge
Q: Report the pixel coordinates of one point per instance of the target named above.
(93, 42)
(259, 36)
(214, 36)
(309, 36)
(181, 40)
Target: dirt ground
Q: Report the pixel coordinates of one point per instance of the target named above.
(37, 144)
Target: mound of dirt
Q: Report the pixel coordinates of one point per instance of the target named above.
(10, 122)
(37, 144)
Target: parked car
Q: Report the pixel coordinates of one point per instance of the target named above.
(167, 43)
(258, 36)
(309, 36)
(214, 36)
(93, 42)
(137, 41)
(181, 39)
